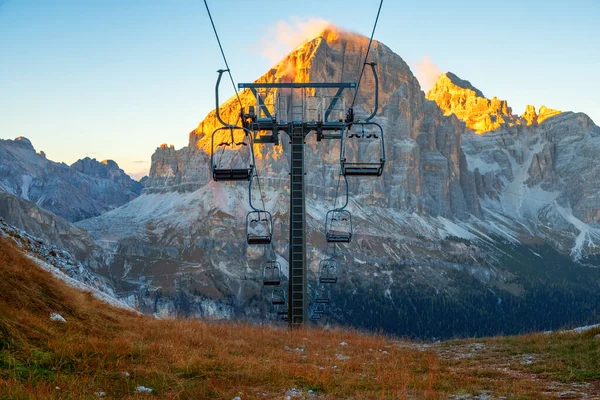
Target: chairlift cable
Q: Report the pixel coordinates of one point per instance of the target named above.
(366, 55)
(223, 53)
(334, 207)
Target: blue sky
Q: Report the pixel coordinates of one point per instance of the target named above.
(113, 79)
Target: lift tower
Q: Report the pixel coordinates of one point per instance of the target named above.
(298, 109)
(289, 113)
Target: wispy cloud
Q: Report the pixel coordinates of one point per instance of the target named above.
(284, 36)
(426, 72)
(140, 162)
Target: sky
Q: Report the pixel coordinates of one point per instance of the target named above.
(113, 79)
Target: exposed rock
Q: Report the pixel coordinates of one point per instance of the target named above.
(61, 189)
(459, 97)
(423, 171)
(60, 262)
(28, 217)
(107, 169)
(530, 115)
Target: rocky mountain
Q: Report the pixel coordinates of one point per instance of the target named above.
(442, 245)
(86, 189)
(458, 97)
(107, 169)
(540, 168)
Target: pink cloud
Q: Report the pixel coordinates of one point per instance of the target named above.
(426, 72)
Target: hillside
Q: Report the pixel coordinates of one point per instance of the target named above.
(101, 351)
(29, 217)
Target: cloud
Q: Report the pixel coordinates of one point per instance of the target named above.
(426, 72)
(140, 162)
(285, 36)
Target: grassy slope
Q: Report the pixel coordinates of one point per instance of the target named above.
(192, 359)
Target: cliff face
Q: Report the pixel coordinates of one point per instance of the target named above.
(459, 97)
(84, 190)
(540, 168)
(109, 170)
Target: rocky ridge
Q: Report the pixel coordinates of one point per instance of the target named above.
(84, 190)
(107, 169)
(54, 230)
(539, 168)
(459, 97)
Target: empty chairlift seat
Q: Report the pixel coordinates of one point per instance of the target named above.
(271, 273)
(282, 311)
(362, 149)
(322, 298)
(338, 226)
(319, 309)
(278, 297)
(232, 156)
(259, 227)
(315, 317)
(328, 271)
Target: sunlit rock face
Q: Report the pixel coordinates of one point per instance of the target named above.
(540, 168)
(28, 217)
(107, 169)
(459, 97)
(423, 171)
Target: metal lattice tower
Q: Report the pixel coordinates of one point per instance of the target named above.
(288, 113)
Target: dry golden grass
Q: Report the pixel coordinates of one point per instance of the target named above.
(103, 349)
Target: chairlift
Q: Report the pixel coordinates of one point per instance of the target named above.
(338, 225)
(259, 227)
(282, 312)
(322, 299)
(319, 309)
(373, 138)
(315, 317)
(271, 273)
(278, 297)
(232, 156)
(328, 271)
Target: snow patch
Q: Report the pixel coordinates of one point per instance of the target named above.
(586, 236)
(451, 229)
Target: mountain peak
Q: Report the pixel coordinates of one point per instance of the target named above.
(23, 142)
(459, 97)
(461, 83)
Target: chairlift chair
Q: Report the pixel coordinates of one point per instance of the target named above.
(338, 225)
(355, 166)
(278, 297)
(271, 273)
(315, 317)
(322, 299)
(319, 308)
(282, 312)
(238, 167)
(259, 227)
(328, 271)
